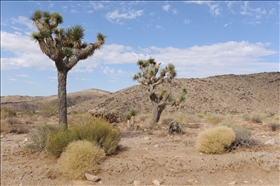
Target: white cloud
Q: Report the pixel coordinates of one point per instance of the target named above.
(126, 14)
(12, 79)
(74, 11)
(166, 7)
(197, 61)
(272, 11)
(187, 21)
(120, 71)
(175, 11)
(225, 25)
(247, 10)
(107, 70)
(215, 9)
(81, 79)
(26, 53)
(22, 75)
(23, 21)
(97, 6)
(158, 26)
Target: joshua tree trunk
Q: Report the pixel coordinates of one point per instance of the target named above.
(156, 114)
(62, 80)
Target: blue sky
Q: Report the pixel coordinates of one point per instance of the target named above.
(201, 38)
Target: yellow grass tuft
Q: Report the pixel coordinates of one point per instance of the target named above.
(215, 140)
(80, 157)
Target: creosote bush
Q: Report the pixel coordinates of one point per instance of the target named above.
(92, 129)
(80, 157)
(215, 140)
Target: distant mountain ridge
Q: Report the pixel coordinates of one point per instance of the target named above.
(253, 93)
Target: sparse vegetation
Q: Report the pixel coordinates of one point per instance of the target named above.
(80, 157)
(273, 126)
(39, 136)
(214, 119)
(215, 140)
(94, 130)
(7, 113)
(257, 118)
(167, 120)
(47, 110)
(243, 137)
(147, 77)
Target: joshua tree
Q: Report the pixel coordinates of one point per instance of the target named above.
(64, 47)
(148, 78)
(130, 118)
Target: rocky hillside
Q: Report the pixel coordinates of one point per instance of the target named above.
(254, 93)
(23, 103)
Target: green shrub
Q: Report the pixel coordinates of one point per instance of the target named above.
(257, 118)
(39, 136)
(94, 129)
(80, 157)
(215, 140)
(273, 126)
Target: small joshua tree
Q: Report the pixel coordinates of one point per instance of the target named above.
(64, 47)
(148, 78)
(130, 118)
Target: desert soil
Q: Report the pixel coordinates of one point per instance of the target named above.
(143, 157)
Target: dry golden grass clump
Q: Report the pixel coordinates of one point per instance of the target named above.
(80, 157)
(92, 129)
(215, 140)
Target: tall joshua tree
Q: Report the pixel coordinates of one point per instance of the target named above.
(64, 47)
(147, 77)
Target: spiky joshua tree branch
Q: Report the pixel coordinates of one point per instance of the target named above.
(64, 47)
(148, 77)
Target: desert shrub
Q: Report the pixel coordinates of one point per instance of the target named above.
(39, 136)
(246, 117)
(214, 119)
(215, 140)
(12, 120)
(200, 115)
(273, 126)
(143, 117)
(167, 120)
(47, 110)
(270, 114)
(7, 113)
(80, 157)
(257, 118)
(243, 137)
(18, 129)
(94, 129)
